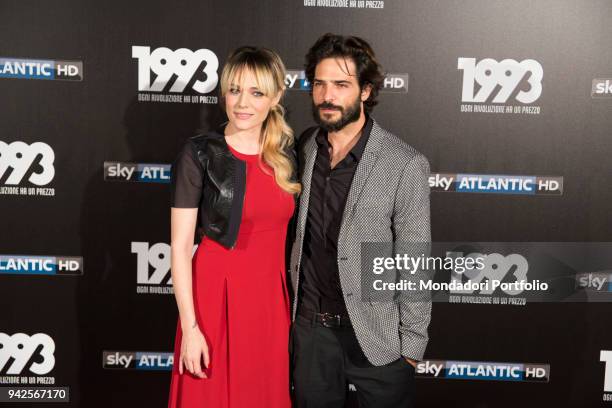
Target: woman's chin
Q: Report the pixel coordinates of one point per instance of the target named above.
(243, 125)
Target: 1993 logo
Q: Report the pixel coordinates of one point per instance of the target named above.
(22, 164)
(195, 68)
(21, 352)
(157, 257)
(500, 80)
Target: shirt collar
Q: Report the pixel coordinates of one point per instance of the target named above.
(357, 150)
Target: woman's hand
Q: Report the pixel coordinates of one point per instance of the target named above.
(193, 350)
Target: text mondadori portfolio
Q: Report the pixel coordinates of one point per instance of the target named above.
(452, 286)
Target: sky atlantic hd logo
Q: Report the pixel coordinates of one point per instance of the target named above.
(26, 169)
(479, 370)
(138, 360)
(26, 359)
(137, 172)
(489, 86)
(40, 265)
(41, 69)
(601, 88)
(181, 76)
(393, 83)
(496, 184)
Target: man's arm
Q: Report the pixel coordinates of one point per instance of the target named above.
(412, 235)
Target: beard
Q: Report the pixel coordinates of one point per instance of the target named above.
(348, 114)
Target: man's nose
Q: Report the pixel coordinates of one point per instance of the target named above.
(328, 94)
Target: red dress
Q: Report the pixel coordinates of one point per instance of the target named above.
(242, 306)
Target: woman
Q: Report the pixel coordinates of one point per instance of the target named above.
(232, 338)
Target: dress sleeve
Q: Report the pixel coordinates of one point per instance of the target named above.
(186, 179)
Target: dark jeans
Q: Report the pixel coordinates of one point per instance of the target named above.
(326, 359)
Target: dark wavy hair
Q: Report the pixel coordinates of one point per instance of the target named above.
(369, 71)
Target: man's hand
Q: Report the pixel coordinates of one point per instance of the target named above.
(411, 362)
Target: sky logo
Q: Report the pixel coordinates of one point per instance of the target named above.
(601, 88)
(138, 360)
(488, 371)
(594, 281)
(137, 172)
(496, 184)
(393, 83)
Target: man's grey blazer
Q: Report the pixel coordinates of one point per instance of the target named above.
(388, 201)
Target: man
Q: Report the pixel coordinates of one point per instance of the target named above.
(360, 184)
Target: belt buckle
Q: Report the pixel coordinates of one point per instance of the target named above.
(330, 320)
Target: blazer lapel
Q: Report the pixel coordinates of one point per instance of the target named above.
(365, 166)
(310, 150)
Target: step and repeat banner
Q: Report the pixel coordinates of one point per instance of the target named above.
(511, 102)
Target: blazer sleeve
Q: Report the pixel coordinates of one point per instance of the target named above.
(412, 230)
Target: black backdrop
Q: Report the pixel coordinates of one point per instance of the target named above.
(91, 215)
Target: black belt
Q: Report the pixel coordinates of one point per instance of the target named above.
(326, 319)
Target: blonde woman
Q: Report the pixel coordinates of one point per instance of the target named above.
(231, 346)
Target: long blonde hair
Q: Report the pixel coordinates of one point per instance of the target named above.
(276, 135)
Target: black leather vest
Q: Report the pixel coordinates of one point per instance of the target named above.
(223, 188)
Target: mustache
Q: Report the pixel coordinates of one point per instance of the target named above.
(328, 105)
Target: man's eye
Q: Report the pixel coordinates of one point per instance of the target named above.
(317, 84)
(342, 85)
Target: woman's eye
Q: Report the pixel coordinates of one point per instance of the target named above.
(258, 94)
(234, 91)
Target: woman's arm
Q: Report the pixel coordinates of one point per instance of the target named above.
(183, 221)
(193, 344)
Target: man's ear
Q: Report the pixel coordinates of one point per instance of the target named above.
(365, 92)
